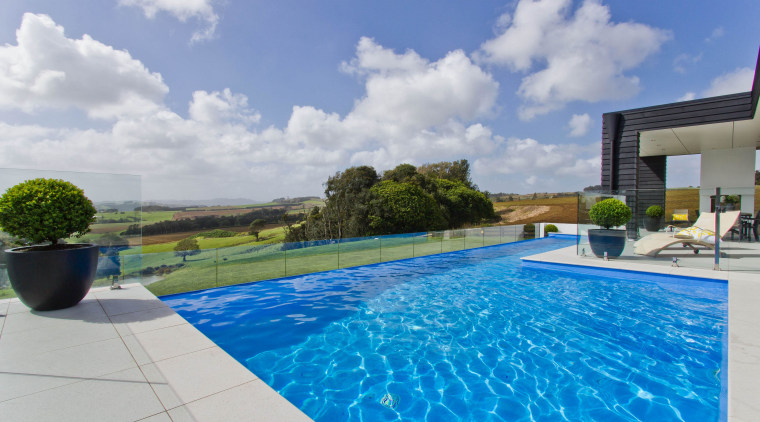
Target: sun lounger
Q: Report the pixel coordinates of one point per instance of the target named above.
(698, 235)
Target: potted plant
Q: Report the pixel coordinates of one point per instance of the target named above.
(653, 220)
(608, 213)
(550, 228)
(53, 275)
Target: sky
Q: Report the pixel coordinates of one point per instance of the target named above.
(263, 99)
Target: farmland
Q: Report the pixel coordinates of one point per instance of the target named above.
(240, 258)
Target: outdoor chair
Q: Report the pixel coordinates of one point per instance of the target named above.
(749, 226)
(702, 233)
(680, 218)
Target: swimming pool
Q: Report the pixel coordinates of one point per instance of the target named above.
(473, 335)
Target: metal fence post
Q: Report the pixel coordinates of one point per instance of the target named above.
(716, 265)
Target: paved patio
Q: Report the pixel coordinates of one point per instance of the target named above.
(743, 310)
(123, 355)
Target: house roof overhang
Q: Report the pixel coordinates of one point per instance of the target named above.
(686, 140)
(739, 129)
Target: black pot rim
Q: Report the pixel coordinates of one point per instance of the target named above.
(28, 249)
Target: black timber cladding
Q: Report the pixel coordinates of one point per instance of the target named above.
(623, 168)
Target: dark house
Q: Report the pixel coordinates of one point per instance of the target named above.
(724, 130)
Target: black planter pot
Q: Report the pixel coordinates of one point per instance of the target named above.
(652, 224)
(604, 240)
(45, 280)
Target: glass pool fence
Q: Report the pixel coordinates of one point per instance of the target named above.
(679, 209)
(169, 272)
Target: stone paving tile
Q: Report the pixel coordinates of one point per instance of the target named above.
(82, 364)
(41, 371)
(253, 401)
(120, 396)
(165, 343)
(192, 376)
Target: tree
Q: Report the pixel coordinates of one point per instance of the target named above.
(347, 205)
(402, 173)
(463, 205)
(255, 227)
(449, 170)
(403, 208)
(187, 247)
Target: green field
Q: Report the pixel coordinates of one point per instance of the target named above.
(147, 217)
(241, 264)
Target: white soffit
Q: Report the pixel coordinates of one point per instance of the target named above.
(695, 139)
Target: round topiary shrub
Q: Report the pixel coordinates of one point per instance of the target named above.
(550, 228)
(655, 211)
(610, 213)
(42, 210)
(529, 228)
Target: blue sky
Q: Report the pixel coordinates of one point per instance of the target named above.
(258, 99)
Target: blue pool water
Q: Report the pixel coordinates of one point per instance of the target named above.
(474, 335)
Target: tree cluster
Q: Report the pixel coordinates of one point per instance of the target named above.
(269, 215)
(405, 199)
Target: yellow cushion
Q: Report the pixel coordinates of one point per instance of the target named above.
(681, 217)
(696, 233)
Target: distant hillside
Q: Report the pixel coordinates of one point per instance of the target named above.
(190, 203)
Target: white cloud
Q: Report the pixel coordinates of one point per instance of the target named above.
(541, 166)
(219, 107)
(579, 124)
(582, 56)
(47, 70)
(413, 110)
(683, 60)
(740, 80)
(182, 10)
(405, 92)
(687, 97)
(715, 34)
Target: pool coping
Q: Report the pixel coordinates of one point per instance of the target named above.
(743, 314)
(123, 354)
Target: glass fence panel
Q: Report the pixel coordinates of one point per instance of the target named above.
(681, 228)
(454, 240)
(173, 272)
(492, 235)
(586, 200)
(244, 264)
(397, 246)
(428, 243)
(473, 238)
(311, 256)
(359, 251)
(178, 271)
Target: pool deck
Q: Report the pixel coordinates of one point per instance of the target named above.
(743, 310)
(123, 355)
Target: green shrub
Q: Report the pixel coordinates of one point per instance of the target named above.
(731, 199)
(529, 228)
(655, 211)
(42, 210)
(550, 228)
(610, 213)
